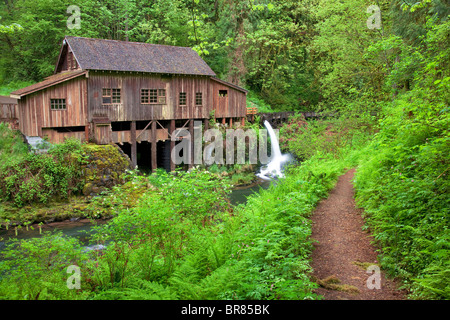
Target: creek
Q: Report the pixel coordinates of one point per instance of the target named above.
(83, 227)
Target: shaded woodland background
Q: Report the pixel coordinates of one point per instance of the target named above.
(294, 55)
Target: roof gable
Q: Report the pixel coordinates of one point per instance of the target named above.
(113, 55)
(48, 82)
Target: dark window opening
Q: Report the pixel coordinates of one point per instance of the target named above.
(70, 129)
(223, 93)
(58, 104)
(121, 126)
(198, 99)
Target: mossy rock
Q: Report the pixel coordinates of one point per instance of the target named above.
(105, 167)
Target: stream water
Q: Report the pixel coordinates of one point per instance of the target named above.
(83, 227)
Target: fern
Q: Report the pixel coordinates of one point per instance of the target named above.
(138, 289)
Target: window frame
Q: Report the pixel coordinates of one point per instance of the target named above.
(180, 99)
(153, 96)
(58, 102)
(112, 94)
(199, 97)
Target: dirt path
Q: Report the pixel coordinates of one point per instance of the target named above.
(344, 252)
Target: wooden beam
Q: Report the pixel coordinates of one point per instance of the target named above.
(154, 147)
(191, 131)
(144, 129)
(133, 144)
(172, 144)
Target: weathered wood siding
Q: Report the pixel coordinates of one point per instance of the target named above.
(58, 137)
(131, 108)
(67, 60)
(233, 105)
(35, 112)
(9, 113)
(125, 136)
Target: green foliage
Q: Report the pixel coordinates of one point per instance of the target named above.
(6, 89)
(254, 101)
(276, 57)
(39, 177)
(333, 136)
(182, 240)
(404, 185)
(37, 268)
(12, 146)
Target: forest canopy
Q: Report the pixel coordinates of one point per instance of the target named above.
(296, 55)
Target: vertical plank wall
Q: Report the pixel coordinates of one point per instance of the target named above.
(35, 112)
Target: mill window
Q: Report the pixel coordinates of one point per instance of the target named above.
(182, 98)
(198, 99)
(149, 96)
(58, 104)
(111, 96)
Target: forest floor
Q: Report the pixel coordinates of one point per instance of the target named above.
(344, 258)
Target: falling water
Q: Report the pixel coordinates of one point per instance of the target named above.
(273, 168)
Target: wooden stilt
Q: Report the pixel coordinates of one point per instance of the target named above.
(191, 143)
(154, 147)
(172, 144)
(133, 144)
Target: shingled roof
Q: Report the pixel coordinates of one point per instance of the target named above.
(113, 55)
(48, 82)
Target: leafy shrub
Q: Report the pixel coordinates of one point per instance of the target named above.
(306, 138)
(12, 146)
(404, 186)
(37, 268)
(39, 177)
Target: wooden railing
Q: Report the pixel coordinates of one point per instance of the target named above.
(252, 110)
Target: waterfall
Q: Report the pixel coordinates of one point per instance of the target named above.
(273, 168)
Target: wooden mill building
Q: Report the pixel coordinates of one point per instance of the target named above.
(128, 93)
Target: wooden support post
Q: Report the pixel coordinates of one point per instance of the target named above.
(242, 121)
(172, 144)
(231, 122)
(191, 132)
(223, 120)
(205, 125)
(154, 147)
(133, 144)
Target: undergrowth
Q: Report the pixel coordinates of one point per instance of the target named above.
(183, 240)
(41, 177)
